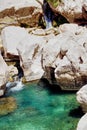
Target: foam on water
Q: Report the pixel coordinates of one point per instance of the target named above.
(18, 87)
(15, 86)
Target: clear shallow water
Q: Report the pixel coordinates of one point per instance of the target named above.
(40, 109)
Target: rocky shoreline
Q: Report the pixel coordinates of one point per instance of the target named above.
(57, 54)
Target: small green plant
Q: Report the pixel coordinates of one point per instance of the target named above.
(54, 2)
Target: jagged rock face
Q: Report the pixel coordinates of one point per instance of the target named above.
(30, 50)
(82, 125)
(66, 53)
(63, 57)
(3, 75)
(73, 10)
(24, 13)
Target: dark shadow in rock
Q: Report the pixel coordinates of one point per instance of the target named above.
(20, 70)
(52, 16)
(77, 113)
(52, 89)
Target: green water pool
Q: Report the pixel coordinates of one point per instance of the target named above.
(40, 109)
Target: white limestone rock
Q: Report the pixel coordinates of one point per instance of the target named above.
(82, 124)
(64, 53)
(3, 71)
(72, 28)
(82, 98)
(30, 50)
(3, 75)
(6, 4)
(11, 36)
(72, 10)
(67, 53)
(20, 12)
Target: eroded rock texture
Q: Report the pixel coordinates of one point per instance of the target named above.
(24, 13)
(66, 53)
(62, 55)
(74, 11)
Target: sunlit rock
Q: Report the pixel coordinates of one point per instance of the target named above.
(23, 12)
(11, 36)
(82, 125)
(61, 53)
(3, 75)
(82, 98)
(28, 47)
(73, 10)
(72, 28)
(66, 55)
(30, 50)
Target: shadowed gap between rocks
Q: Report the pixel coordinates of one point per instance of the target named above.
(50, 17)
(78, 113)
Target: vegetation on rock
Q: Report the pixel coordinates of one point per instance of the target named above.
(54, 2)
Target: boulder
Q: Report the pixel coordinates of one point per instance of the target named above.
(82, 125)
(30, 50)
(19, 44)
(72, 28)
(24, 13)
(61, 53)
(3, 75)
(11, 37)
(65, 55)
(82, 98)
(73, 10)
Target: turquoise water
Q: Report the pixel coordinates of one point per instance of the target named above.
(39, 108)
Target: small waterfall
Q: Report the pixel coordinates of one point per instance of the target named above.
(14, 86)
(17, 84)
(48, 14)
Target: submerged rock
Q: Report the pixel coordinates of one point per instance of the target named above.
(7, 105)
